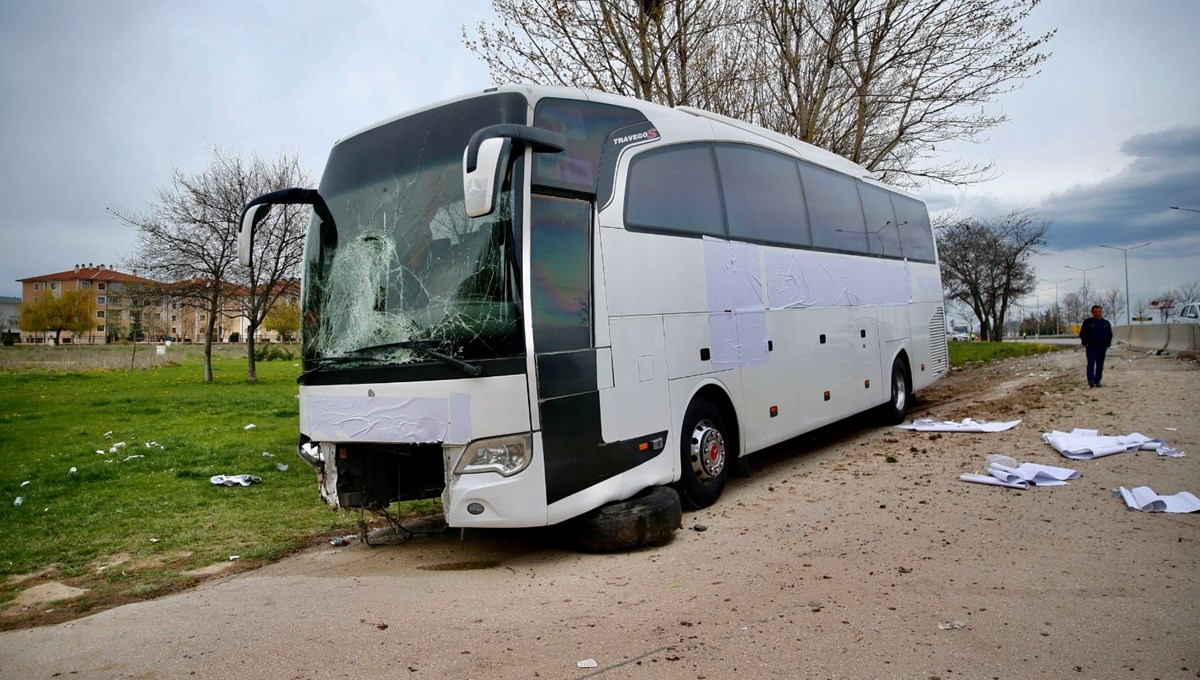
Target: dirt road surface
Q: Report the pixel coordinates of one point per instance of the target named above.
(830, 561)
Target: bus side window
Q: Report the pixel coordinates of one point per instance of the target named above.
(835, 210)
(916, 235)
(763, 195)
(674, 189)
(883, 230)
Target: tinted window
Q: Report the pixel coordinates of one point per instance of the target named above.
(586, 126)
(834, 210)
(560, 273)
(762, 195)
(883, 236)
(916, 235)
(675, 189)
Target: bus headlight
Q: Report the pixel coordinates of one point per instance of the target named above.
(506, 455)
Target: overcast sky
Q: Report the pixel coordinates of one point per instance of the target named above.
(100, 100)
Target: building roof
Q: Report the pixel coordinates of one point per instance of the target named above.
(89, 273)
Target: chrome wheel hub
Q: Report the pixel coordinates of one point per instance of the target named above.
(708, 452)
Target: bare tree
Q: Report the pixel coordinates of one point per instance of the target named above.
(881, 82)
(675, 52)
(1188, 292)
(1113, 303)
(189, 235)
(985, 265)
(1140, 308)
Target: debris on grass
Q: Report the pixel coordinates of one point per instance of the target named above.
(231, 480)
(251, 426)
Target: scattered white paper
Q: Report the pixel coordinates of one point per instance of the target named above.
(20, 501)
(251, 426)
(231, 480)
(1144, 499)
(967, 425)
(993, 481)
(72, 471)
(587, 663)
(1041, 475)
(24, 483)
(1081, 444)
(1021, 476)
(129, 458)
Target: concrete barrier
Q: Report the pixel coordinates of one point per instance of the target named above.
(1173, 337)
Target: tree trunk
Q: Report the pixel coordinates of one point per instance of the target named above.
(251, 368)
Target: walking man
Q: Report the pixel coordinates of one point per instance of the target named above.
(1096, 334)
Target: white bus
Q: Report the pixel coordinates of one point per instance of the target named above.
(623, 296)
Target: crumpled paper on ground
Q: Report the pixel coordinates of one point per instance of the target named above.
(1021, 476)
(1144, 499)
(967, 425)
(1081, 444)
(233, 480)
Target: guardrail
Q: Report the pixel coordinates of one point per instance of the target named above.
(1172, 337)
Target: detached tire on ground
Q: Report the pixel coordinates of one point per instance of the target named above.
(648, 519)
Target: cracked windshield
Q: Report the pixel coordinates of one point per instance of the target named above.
(405, 275)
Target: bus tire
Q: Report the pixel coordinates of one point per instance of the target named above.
(708, 452)
(649, 518)
(894, 411)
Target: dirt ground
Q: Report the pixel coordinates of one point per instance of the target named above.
(852, 553)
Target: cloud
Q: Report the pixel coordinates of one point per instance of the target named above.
(1133, 205)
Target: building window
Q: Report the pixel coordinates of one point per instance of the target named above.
(87, 284)
(99, 299)
(158, 316)
(99, 286)
(100, 314)
(173, 318)
(100, 328)
(53, 285)
(37, 286)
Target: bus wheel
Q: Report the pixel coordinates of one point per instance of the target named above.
(894, 411)
(707, 455)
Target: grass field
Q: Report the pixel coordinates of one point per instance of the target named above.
(113, 470)
(965, 353)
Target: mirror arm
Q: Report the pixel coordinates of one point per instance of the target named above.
(535, 138)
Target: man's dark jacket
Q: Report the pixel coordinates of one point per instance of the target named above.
(1096, 332)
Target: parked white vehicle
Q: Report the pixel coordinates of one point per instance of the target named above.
(1188, 313)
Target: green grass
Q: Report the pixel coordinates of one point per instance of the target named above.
(962, 353)
(157, 514)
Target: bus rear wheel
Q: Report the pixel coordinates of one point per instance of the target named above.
(894, 411)
(707, 452)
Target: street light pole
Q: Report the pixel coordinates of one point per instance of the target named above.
(1128, 309)
(1085, 270)
(1056, 325)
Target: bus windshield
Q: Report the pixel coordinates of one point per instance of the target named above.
(405, 273)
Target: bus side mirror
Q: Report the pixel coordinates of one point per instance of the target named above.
(486, 159)
(251, 216)
(481, 184)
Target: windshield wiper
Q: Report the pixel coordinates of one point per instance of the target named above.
(419, 345)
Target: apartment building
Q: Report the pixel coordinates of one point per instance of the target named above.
(126, 306)
(109, 293)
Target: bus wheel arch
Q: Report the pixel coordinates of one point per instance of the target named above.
(709, 447)
(900, 390)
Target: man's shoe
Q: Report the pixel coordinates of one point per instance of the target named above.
(1091, 384)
